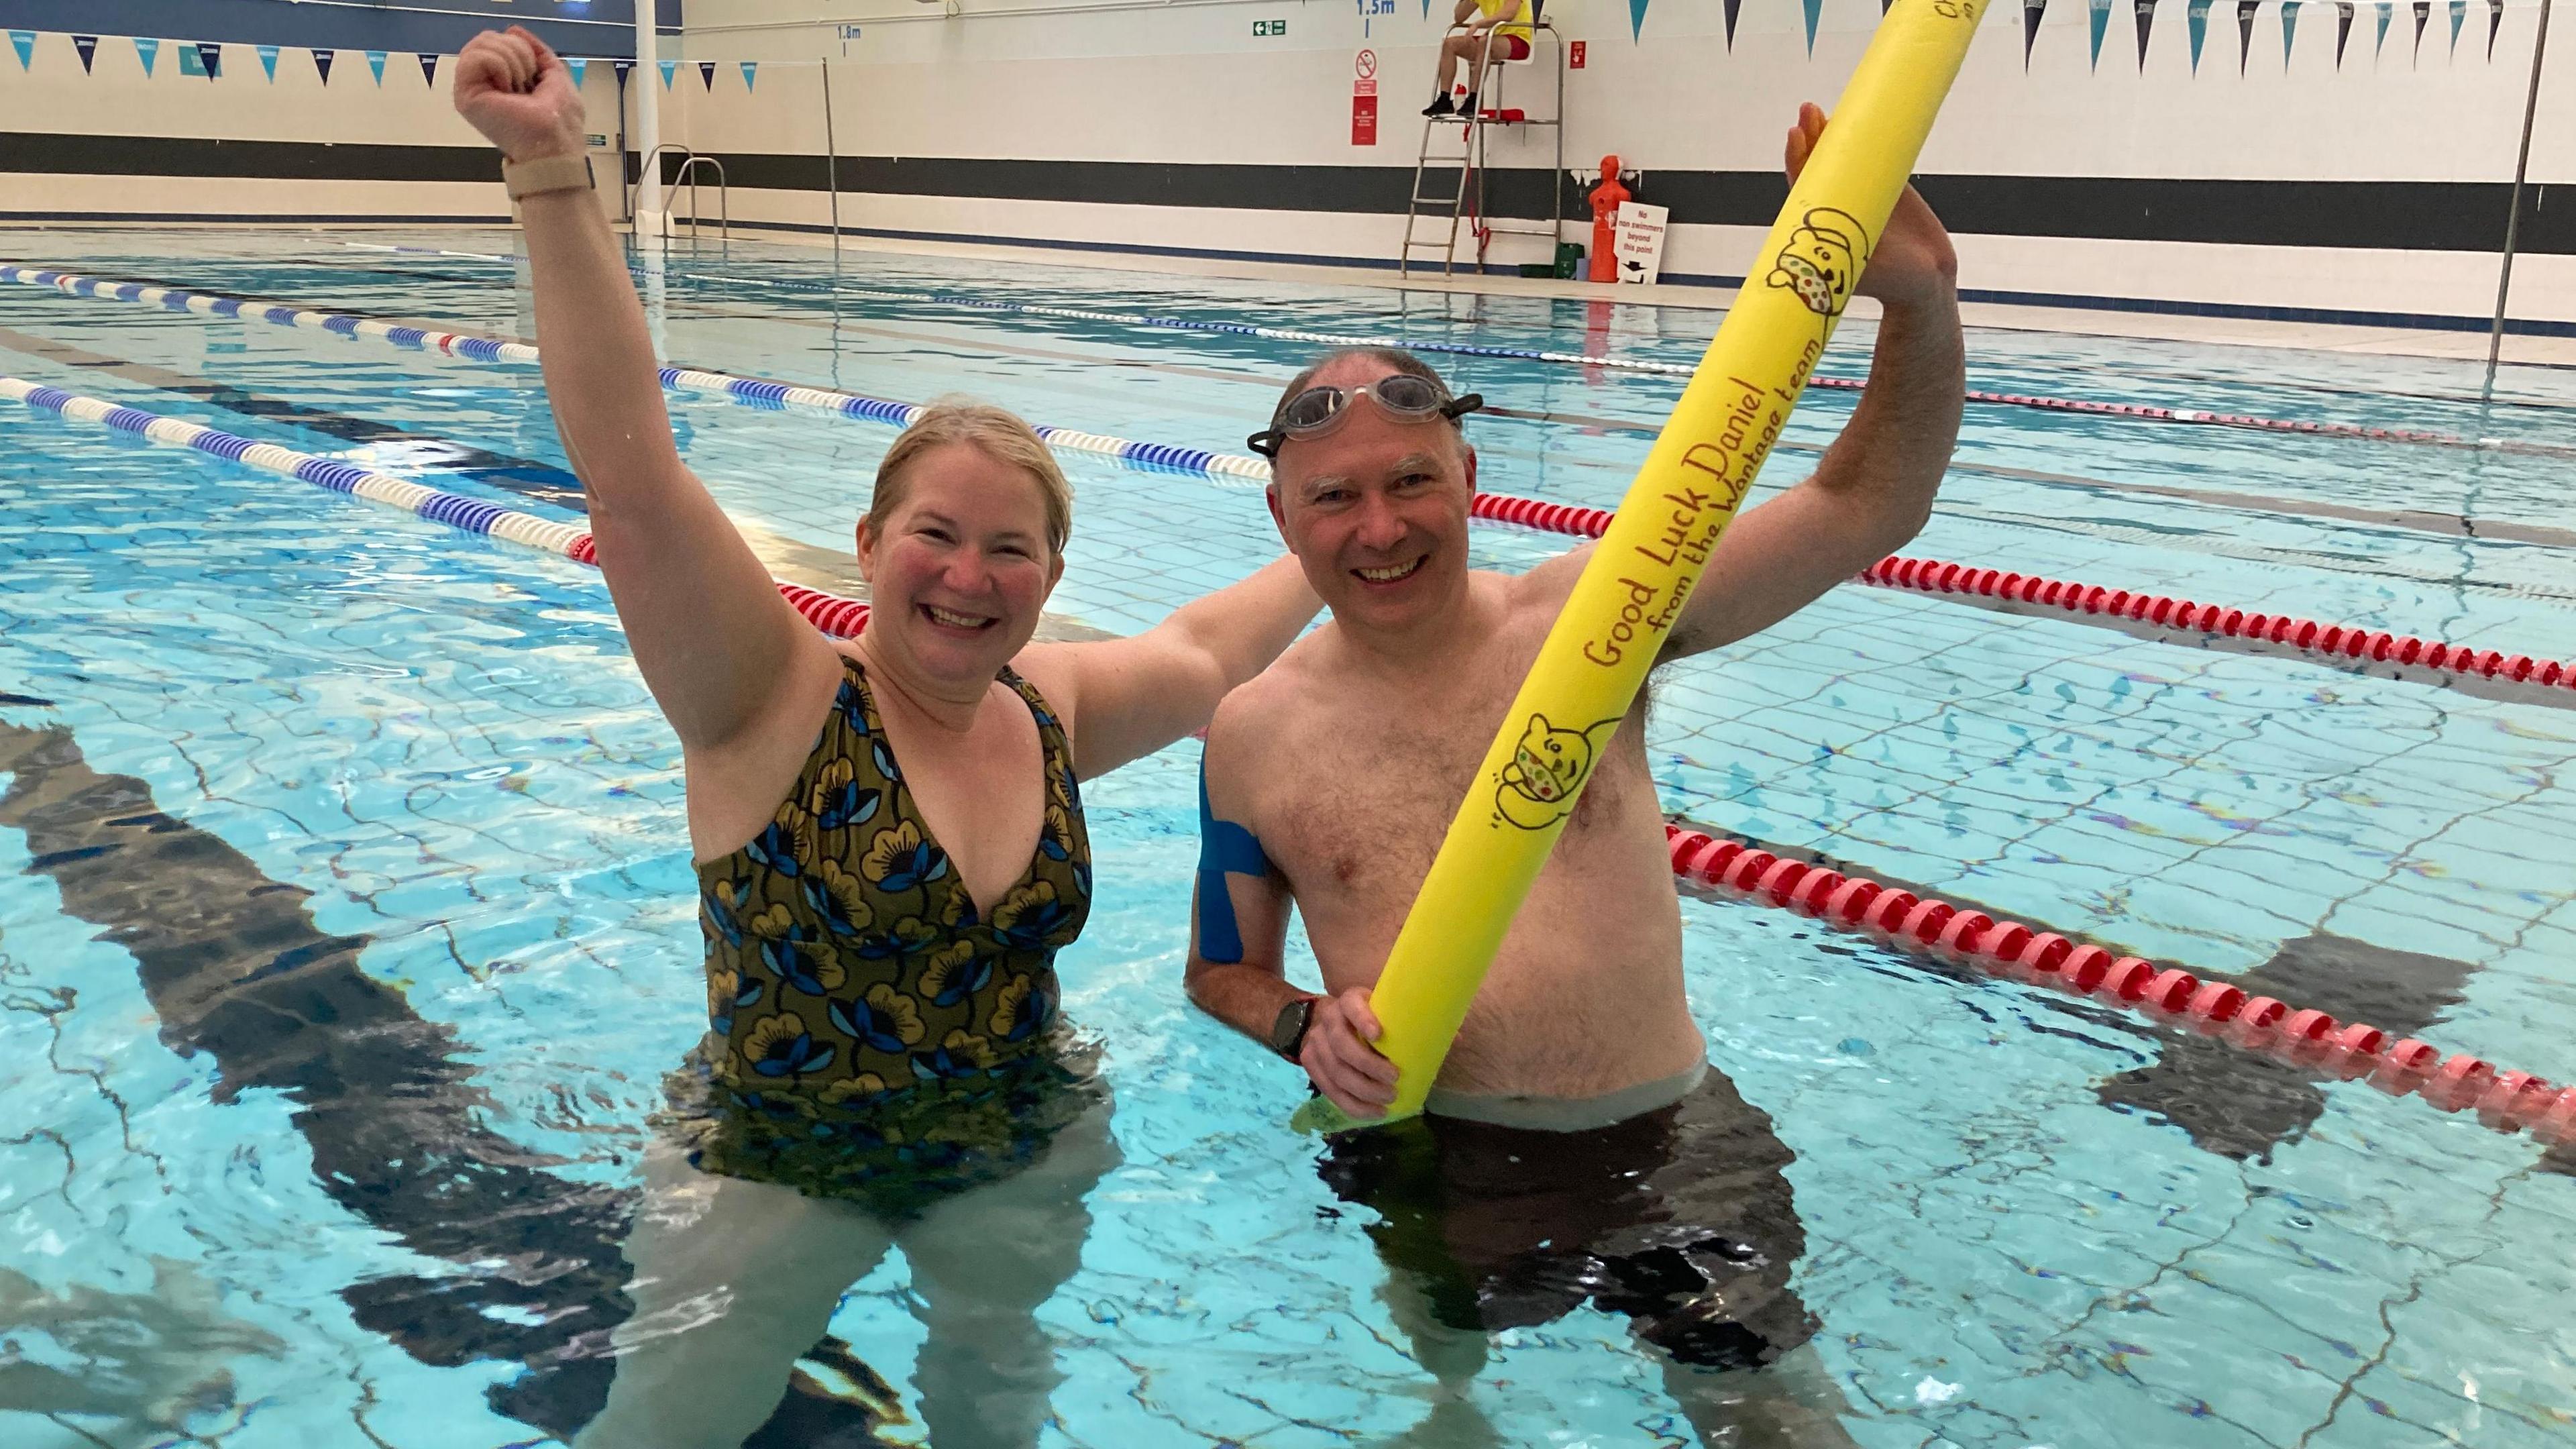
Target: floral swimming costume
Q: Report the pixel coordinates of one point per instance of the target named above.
(858, 994)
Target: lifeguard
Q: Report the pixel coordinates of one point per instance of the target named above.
(1509, 20)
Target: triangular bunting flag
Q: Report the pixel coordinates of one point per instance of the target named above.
(670, 68)
(2459, 12)
(1886, 5)
(268, 61)
(2423, 12)
(622, 67)
(2196, 15)
(87, 45)
(2289, 29)
(2146, 21)
(322, 63)
(428, 69)
(2343, 29)
(1637, 19)
(2101, 22)
(2245, 32)
(2495, 22)
(145, 49)
(24, 42)
(579, 65)
(707, 73)
(1813, 8)
(210, 54)
(2386, 9)
(2031, 10)
(376, 63)
(747, 68)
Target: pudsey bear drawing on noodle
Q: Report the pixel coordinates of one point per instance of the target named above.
(1821, 258)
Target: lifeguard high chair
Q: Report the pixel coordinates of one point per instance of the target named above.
(1449, 171)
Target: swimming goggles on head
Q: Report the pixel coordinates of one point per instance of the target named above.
(1319, 410)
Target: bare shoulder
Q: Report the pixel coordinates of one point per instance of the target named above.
(1257, 723)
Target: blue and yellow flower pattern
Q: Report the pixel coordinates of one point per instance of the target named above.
(847, 966)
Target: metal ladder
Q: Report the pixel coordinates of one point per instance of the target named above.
(1465, 201)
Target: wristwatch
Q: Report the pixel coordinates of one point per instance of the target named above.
(1288, 1033)
(547, 173)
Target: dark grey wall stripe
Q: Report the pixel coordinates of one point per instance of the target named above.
(2396, 215)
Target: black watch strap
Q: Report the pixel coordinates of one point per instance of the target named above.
(1288, 1032)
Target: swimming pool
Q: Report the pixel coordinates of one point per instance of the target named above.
(384, 1201)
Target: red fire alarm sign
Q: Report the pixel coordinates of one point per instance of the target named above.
(1574, 55)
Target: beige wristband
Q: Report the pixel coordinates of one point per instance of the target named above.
(551, 173)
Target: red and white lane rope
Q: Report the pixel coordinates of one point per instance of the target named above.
(2345, 642)
(829, 612)
(2505, 1100)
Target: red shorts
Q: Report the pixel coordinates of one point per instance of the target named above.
(1510, 47)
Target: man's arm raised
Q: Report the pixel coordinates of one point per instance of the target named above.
(1239, 938)
(1875, 487)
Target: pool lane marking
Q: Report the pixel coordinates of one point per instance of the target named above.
(2073, 600)
(2146, 412)
(831, 613)
(2506, 1101)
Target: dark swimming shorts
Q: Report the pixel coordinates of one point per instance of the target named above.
(1679, 1218)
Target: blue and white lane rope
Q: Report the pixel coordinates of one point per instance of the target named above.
(2148, 412)
(1134, 319)
(454, 510)
(476, 348)
(831, 613)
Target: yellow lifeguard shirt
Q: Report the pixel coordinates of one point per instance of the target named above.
(1518, 25)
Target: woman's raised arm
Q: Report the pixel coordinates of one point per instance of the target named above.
(717, 644)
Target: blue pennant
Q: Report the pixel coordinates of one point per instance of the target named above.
(670, 68)
(2197, 17)
(2387, 8)
(2459, 12)
(376, 63)
(579, 65)
(2289, 30)
(24, 42)
(1814, 9)
(145, 49)
(268, 62)
(747, 68)
(2101, 18)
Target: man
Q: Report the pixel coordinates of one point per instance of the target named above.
(1469, 47)
(1577, 1144)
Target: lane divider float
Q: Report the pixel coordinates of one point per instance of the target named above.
(830, 613)
(2344, 643)
(2339, 642)
(2507, 1101)
(2145, 412)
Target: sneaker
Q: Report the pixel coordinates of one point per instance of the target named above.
(1440, 107)
(1467, 107)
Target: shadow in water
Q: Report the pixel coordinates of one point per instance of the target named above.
(234, 966)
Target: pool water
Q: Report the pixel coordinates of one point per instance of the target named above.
(346, 927)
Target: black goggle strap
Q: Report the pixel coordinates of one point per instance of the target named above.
(1267, 441)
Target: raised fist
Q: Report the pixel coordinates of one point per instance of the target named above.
(520, 95)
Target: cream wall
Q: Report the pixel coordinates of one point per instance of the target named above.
(51, 103)
(1188, 83)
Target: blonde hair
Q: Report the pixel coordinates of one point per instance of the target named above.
(1000, 435)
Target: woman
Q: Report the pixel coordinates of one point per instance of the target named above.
(890, 851)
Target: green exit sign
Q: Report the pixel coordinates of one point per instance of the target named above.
(1269, 27)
